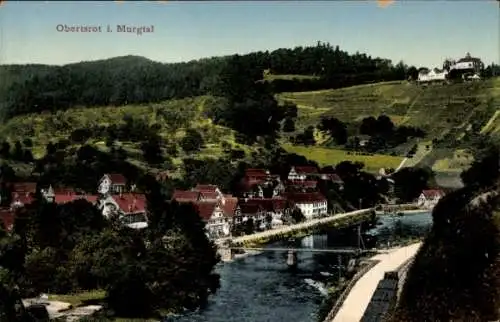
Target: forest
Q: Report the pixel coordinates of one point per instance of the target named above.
(132, 79)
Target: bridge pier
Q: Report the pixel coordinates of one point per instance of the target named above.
(291, 259)
(226, 254)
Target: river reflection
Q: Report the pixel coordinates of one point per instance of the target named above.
(261, 288)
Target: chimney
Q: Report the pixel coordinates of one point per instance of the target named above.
(129, 208)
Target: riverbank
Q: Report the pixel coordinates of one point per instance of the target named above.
(356, 302)
(405, 212)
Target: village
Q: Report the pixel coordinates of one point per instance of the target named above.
(268, 201)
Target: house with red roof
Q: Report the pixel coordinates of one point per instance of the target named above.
(276, 208)
(186, 196)
(21, 199)
(112, 183)
(62, 195)
(216, 209)
(333, 177)
(302, 185)
(428, 199)
(256, 180)
(208, 192)
(250, 210)
(24, 187)
(129, 208)
(312, 204)
(302, 172)
(218, 216)
(255, 177)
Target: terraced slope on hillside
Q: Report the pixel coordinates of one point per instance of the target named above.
(446, 112)
(437, 109)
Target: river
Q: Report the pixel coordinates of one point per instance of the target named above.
(261, 288)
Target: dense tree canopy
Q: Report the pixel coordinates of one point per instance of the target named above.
(131, 79)
(455, 274)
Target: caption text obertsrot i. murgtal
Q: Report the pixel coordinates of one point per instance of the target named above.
(128, 29)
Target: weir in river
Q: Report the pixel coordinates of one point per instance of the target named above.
(262, 288)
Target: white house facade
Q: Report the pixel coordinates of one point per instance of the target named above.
(432, 76)
(428, 199)
(312, 205)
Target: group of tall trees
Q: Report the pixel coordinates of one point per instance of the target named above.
(67, 248)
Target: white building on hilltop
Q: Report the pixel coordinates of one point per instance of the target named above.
(434, 75)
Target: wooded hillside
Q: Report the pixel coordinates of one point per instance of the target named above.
(132, 79)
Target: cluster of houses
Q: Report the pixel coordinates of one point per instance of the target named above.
(267, 201)
(221, 212)
(467, 68)
(113, 199)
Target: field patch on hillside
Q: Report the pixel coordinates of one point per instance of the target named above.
(326, 156)
(461, 159)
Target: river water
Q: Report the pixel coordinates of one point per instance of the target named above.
(261, 288)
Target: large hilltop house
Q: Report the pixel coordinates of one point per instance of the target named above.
(466, 68)
(467, 65)
(432, 76)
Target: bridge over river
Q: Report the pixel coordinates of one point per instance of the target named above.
(263, 288)
(227, 247)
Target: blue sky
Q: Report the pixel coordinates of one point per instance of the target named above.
(422, 33)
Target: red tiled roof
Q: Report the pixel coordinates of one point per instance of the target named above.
(7, 218)
(256, 173)
(117, 178)
(306, 170)
(62, 198)
(229, 206)
(205, 209)
(131, 203)
(24, 187)
(306, 197)
(209, 195)
(186, 196)
(268, 204)
(64, 190)
(249, 183)
(23, 197)
(205, 188)
(432, 193)
(304, 183)
(249, 208)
